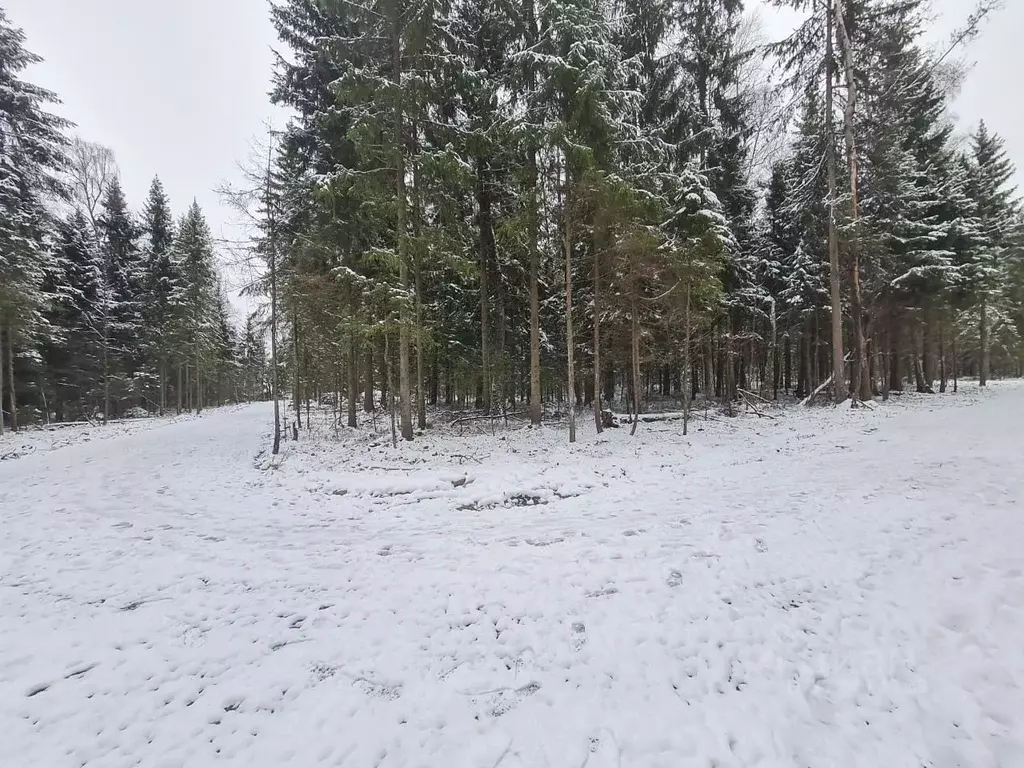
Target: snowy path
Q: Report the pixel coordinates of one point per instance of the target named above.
(832, 588)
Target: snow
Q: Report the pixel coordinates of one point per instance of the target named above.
(832, 587)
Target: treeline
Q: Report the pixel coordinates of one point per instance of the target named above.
(103, 312)
(506, 205)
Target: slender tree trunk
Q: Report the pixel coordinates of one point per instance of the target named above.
(984, 329)
(353, 381)
(709, 371)
(687, 360)
(838, 364)
(569, 342)
(275, 391)
(597, 340)
(199, 383)
(862, 381)
(533, 213)
(405, 404)
(1, 376)
(391, 391)
(884, 371)
(895, 362)
(106, 375)
(368, 393)
(769, 382)
(297, 391)
(920, 379)
(788, 364)
(180, 389)
(163, 386)
(486, 239)
(421, 399)
(634, 346)
(942, 357)
(956, 359)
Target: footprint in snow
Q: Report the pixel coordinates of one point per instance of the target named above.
(503, 702)
(579, 635)
(378, 690)
(321, 672)
(675, 578)
(603, 592)
(760, 546)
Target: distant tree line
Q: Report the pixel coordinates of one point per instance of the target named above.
(102, 311)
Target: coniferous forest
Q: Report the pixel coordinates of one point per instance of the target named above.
(528, 208)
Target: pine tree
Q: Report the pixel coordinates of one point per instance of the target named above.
(124, 277)
(196, 301)
(996, 207)
(160, 282)
(72, 350)
(32, 147)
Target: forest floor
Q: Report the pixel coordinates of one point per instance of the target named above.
(830, 587)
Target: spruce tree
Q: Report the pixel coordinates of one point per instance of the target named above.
(195, 302)
(996, 208)
(160, 282)
(32, 153)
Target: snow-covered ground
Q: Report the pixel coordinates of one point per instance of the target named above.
(827, 588)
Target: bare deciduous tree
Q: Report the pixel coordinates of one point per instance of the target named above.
(91, 168)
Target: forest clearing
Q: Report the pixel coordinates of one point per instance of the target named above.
(830, 586)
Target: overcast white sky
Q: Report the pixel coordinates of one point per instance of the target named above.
(179, 88)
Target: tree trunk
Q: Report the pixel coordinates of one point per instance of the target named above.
(634, 324)
(536, 406)
(803, 376)
(928, 349)
(984, 329)
(862, 381)
(180, 389)
(199, 384)
(956, 362)
(163, 387)
(569, 342)
(920, 379)
(390, 403)
(896, 369)
(297, 392)
(769, 381)
(597, 340)
(486, 240)
(942, 357)
(838, 364)
(687, 352)
(1, 376)
(421, 399)
(369, 391)
(353, 381)
(106, 375)
(787, 362)
(405, 404)
(275, 391)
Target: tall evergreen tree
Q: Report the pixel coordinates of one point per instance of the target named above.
(996, 209)
(160, 283)
(32, 147)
